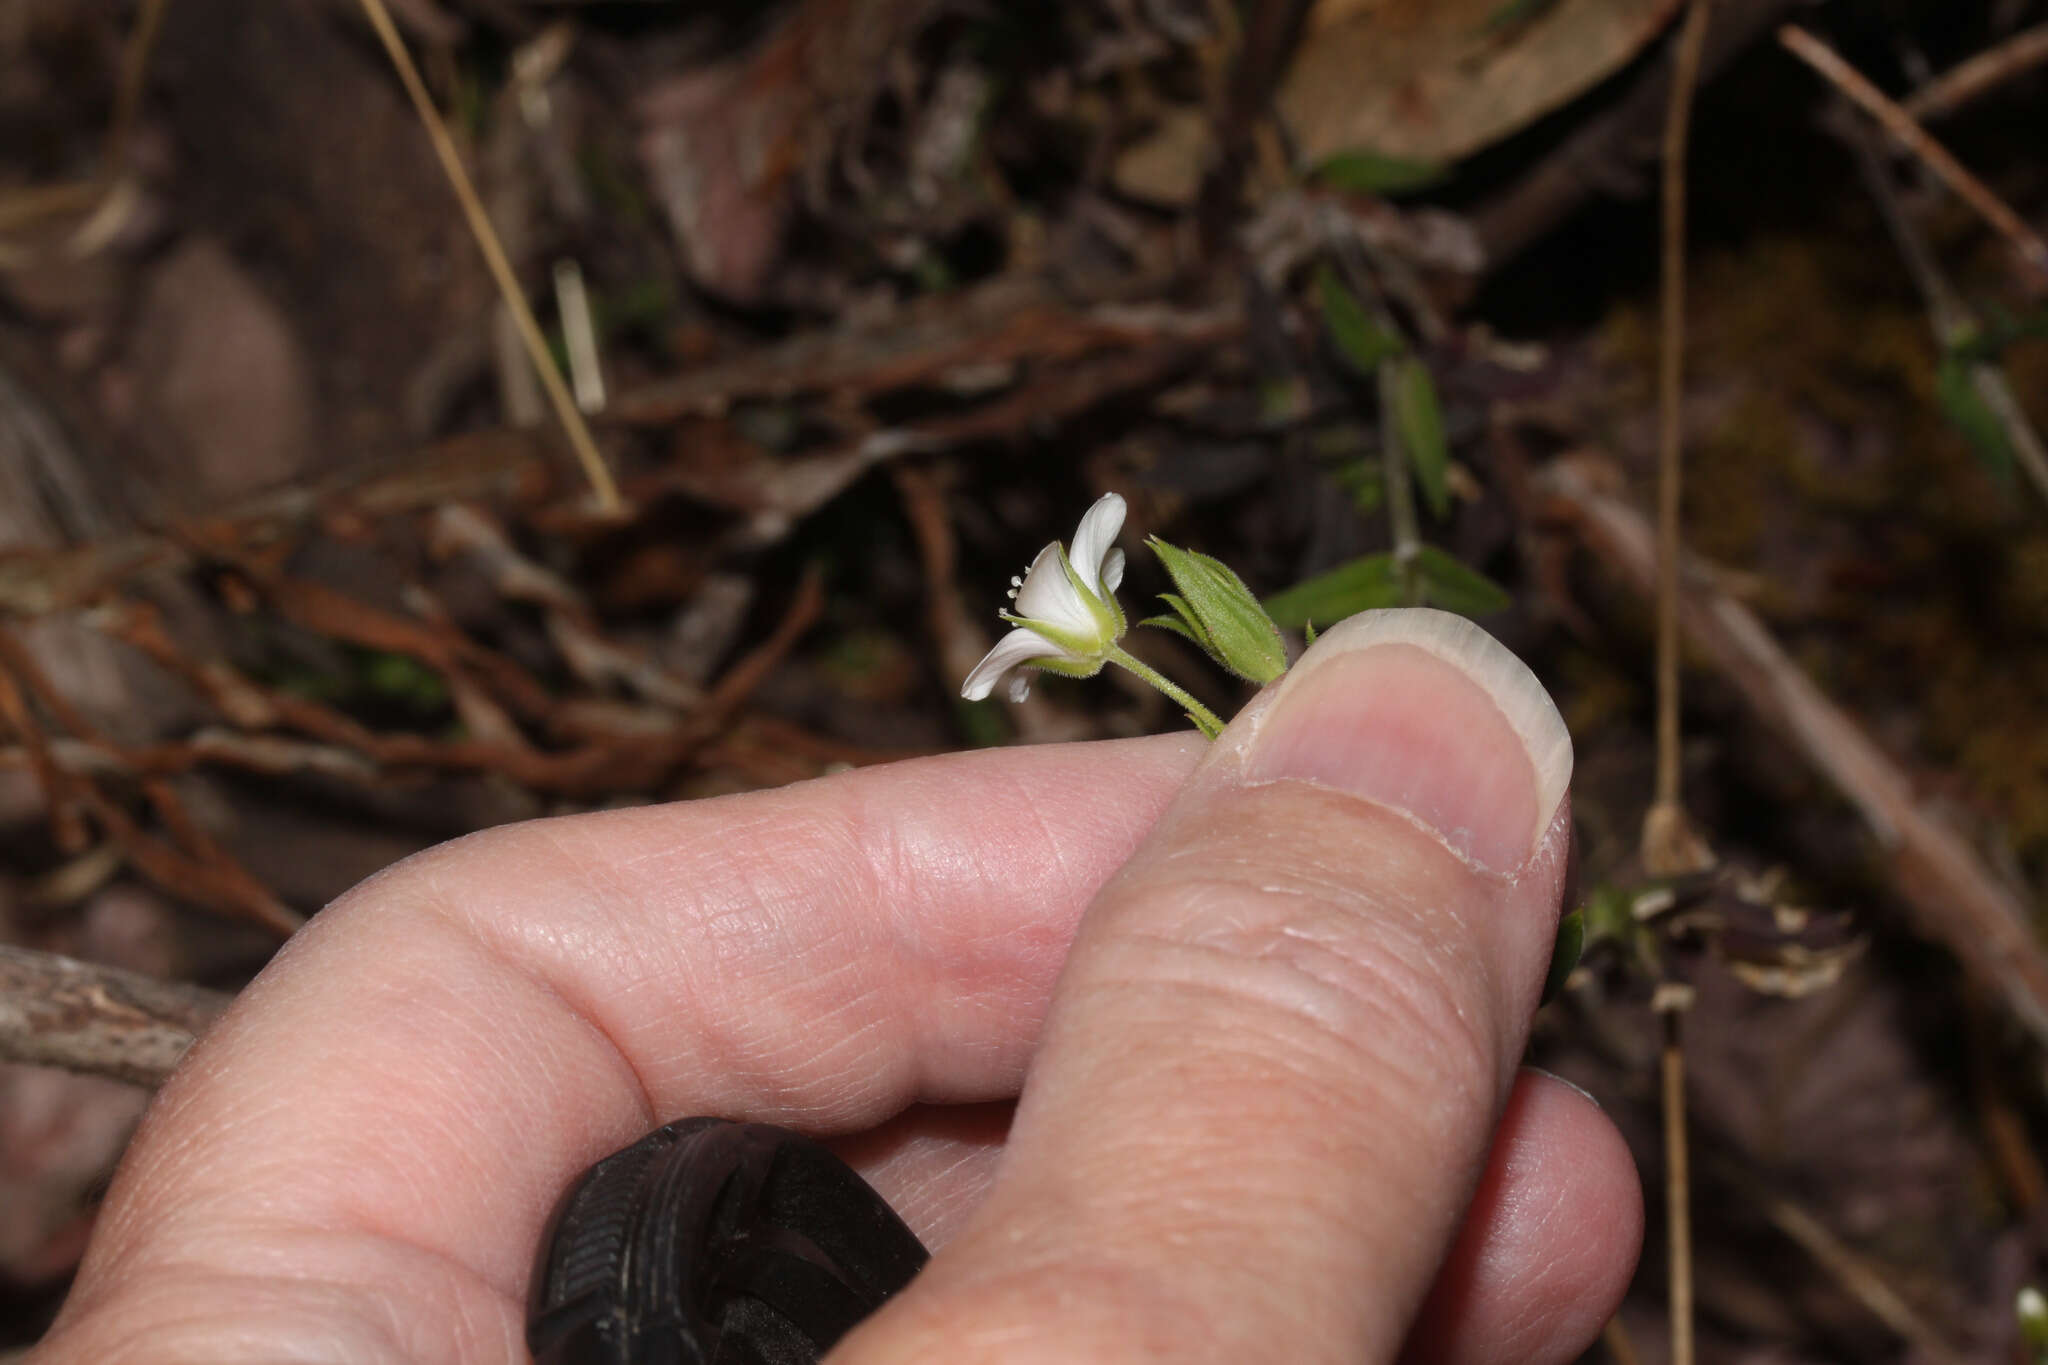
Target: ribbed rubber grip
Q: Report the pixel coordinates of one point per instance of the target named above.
(714, 1243)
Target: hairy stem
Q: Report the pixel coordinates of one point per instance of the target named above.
(1205, 720)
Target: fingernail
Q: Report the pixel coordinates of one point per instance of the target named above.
(1424, 712)
(1584, 1093)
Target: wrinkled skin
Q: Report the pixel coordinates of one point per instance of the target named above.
(1265, 1031)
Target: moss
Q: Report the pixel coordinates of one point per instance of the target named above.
(1901, 575)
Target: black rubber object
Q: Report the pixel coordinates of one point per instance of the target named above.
(714, 1243)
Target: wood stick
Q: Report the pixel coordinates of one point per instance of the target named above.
(1918, 141)
(1961, 83)
(1951, 897)
(1950, 317)
(1860, 1280)
(98, 1021)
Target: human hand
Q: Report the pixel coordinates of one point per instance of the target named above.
(1278, 1069)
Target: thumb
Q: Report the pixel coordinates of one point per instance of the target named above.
(1274, 1061)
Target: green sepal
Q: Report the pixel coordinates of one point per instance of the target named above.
(1419, 417)
(1308, 632)
(1564, 955)
(1055, 638)
(1234, 628)
(1183, 622)
(1176, 625)
(1109, 615)
(1066, 668)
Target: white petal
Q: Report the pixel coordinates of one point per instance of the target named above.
(1019, 646)
(1094, 537)
(1047, 596)
(1020, 685)
(1112, 571)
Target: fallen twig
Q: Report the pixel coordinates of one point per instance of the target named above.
(194, 868)
(37, 582)
(54, 781)
(463, 529)
(969, 341)
(621, 759)
(1859, 1279)
(1949, 316)
(1960, 84)
(98, 1021)
(1894, 119)
(1951, 897)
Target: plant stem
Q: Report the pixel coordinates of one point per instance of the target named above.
(1400, 490)
(1677, 1191)
(1204, 719)
(1670, 393)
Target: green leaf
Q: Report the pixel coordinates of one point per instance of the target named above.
(1364, 342)
(1456, 586)
(1564, 954)
(1419, 417)
(1361, 585)
(1308, 632)
(1235, 630)
(1955, 387)
(1365, 172)
(1183, 622)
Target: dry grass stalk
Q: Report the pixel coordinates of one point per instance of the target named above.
(566, 411)
(1670, 846)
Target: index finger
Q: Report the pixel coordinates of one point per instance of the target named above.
(391, 1107)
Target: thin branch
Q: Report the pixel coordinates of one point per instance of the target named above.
(1894, 119)
(486, 236)
(1950, 317)
(1960, 84)
(1860, 1280)
(1950, 896)
(98, 1021)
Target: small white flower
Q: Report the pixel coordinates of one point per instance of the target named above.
(1067, 616)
